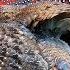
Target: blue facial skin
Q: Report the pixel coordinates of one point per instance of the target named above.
(63, 65)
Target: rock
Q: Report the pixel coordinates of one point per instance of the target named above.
(43, 11)
(25, 43)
